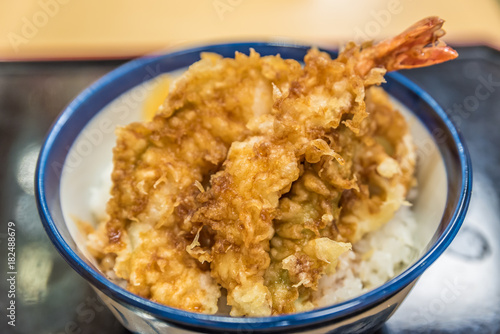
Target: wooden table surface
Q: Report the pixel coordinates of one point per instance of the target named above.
(40, 29)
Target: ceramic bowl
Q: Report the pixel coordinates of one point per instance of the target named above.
(78, 149)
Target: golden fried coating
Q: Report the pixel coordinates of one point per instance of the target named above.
(384, 167)
(239, 208)
(159, 167)
(244, 196)
(332, 204)
(257, 174)
(162, 271)
(333, 201)
(307, 243)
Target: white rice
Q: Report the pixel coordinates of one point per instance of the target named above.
(375, 259)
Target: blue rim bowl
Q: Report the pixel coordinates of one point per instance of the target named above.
(91, 101)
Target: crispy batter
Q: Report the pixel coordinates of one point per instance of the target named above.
(160, 165)
(384, 166)
(307, 218)
(244, 196)
(333, 201)
(306, 243)
(265, 170)
(239, 208)
(333, 204)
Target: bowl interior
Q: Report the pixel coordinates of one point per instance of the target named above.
(78, 152)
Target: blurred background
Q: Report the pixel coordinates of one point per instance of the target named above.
(50, 50)
(54, 29)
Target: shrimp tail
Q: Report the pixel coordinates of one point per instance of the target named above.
(417, 46)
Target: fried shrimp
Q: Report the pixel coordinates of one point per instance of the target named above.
(333, 205)
(159, 167)
(333, 201)
(244, 195)
(258, 173)
(384, 161)
(307, 242)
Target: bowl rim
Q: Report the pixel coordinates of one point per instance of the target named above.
(188, 319)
